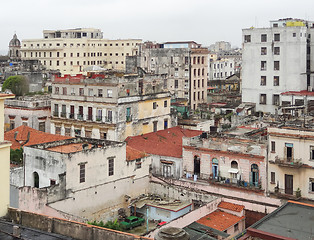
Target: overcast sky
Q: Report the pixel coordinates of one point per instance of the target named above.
(204, 21)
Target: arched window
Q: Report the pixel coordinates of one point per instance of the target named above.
(234, 164)
(36, 179)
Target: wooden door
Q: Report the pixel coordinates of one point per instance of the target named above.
(288, 184)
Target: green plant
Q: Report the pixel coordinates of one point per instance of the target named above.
(17, 84)
(298, 193)
(115, 225)
(16, 156)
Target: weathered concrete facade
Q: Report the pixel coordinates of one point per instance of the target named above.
(79, 169)
(30, 111)
(110, 106)
(291, 162)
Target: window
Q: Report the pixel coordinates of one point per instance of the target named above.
(82, 172)
(128, 114)
(155, 126)
(99, 92)
(289, 151)
(311, 152)
(165, 103)
(275, 25)
(90, 92)
(165, 123)
(110, 166)
(236, 227)
(263, 80)
(154, 105)
(262, 99)
(64, 91)
(277, 50)
(138, 163)
(247, 38)
(52, 182)
(276, 65)
(276, 99)
(276, 80)
(311, 184)
(273, 146)
(263, 51)
(294, 34)
(109, 93)
(263, 65)
(272, 177)
(56, 90)
(176, 83)
(264, 38)
(81, 91)
(277, 37)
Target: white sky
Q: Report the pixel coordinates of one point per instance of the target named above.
(204, 21)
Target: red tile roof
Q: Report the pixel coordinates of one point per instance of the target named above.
(231, 206)
(219, 220)
(166, 142)
(299, 93)
(133, 154)
(26, 136)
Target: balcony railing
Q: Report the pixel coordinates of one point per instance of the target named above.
(108, 119)
(71, 115)
(56, 114)
(90, 117)
(80, 116)
(98, 118)
(129, 118)
(289, 162)
(283, 193)
(63, 114)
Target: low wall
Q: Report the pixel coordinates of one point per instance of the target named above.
(190, 217)
(76, 230)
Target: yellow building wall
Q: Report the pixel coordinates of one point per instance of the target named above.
(1, 120)
(4, 178)
(146, 108)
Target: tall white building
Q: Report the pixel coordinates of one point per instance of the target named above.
(275, 60)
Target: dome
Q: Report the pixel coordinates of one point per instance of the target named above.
(14, 42)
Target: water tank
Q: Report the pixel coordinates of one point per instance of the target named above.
(172, 233)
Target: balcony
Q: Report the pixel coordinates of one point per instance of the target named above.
(71, 115)
(63, 114)
(56, 114)
(90, 117)
(282, 193)
(98, 118)
(80, 116)
(129, 118)
(288, 162)
(108, 119)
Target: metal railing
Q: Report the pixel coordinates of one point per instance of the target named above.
(291, 162)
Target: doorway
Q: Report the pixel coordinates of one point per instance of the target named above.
(36, 180)
(197, 165)
(288, 184)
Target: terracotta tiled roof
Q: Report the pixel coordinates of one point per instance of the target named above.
(299, 93)
(26, 136)
(132, 154)
(220, 220)
(231, 206)
(166, 142)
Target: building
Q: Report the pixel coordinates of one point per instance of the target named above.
(275, 60)
(291, 162)
(61, 177)
(71, 51)
(4, 160)
(228, 218)
(31, 111)
(220, 46)
(165, 148)
(293, 220)
(186, 66)
(15, 48)
(229, 161)
(110, 106)
(297, 103)
(221, 69)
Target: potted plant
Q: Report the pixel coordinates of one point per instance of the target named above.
(298, 193)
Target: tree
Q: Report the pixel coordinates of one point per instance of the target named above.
(16, 156)
(17, 84)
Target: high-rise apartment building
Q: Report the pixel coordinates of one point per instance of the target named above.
(71, 51)
(276, 60)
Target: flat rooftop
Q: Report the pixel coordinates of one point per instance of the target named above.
(292, 220)
(171, 205)
(6, 230)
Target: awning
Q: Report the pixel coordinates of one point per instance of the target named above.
(233, 170)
